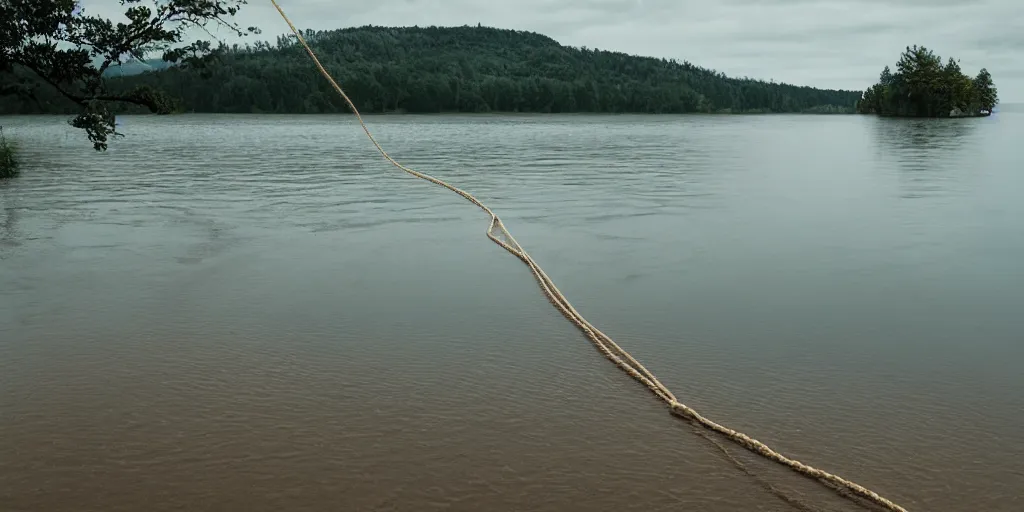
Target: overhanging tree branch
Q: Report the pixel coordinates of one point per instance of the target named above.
(32, 33)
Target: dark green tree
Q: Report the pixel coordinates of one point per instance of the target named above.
(984, 91)
(885, 78)
(923, 87)
(57, 46)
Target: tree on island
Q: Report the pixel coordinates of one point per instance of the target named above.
(58, 45)
(923, 87)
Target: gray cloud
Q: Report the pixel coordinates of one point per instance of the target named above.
(824, 43)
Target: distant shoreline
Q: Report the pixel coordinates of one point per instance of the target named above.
(451, 69)
(468, 114)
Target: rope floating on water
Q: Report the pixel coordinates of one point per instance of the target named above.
(501, 236)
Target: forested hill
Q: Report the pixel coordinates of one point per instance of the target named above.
(466, 69)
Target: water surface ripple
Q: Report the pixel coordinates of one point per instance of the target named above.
(258, 313)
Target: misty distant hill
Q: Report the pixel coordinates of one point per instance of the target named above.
(135, 67)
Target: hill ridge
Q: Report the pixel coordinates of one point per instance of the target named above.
(467, 69)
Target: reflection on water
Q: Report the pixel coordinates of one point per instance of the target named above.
(921, 135)
(934, 156)
(8, 226)
(257, 313)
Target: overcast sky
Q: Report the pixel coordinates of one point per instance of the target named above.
(823, 43)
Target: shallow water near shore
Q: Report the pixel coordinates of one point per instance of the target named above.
(258, 313)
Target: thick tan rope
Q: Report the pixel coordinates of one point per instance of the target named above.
(604, 343)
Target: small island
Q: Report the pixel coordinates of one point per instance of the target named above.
(923, 87)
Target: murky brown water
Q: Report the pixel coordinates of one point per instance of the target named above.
(256, 313)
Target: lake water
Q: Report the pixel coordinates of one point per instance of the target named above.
(258, 313)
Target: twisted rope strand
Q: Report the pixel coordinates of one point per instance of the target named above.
(604, 343)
